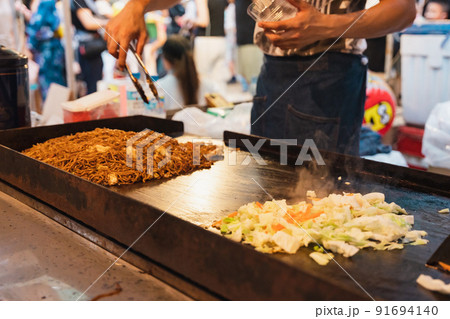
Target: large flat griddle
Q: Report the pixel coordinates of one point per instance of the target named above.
(228, 269)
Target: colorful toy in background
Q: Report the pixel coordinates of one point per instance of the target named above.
(380, 105)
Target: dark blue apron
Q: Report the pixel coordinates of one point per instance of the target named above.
(326, 104)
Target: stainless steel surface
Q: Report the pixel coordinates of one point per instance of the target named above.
(158, 271)
(42, 260)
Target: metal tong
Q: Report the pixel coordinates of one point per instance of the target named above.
(135, 81)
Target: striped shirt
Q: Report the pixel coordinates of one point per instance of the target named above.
(355, 46)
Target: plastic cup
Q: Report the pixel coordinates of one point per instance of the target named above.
(271, 10)
(276, 10)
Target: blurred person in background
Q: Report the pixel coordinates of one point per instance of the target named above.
(87, 22)
(216, 18)
(157, 36)
(419, 12)
(182, 85)
(13, 19)
(6, 27)
(104, 8)
(249, 56)
(210, 45)
(44, 37)
(230, 36)
(437, 9)
(195, 19)
(175, 13)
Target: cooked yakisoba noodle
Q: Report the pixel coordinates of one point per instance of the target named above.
(100, 156)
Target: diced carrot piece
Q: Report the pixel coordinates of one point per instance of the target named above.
(298, 216)
(217, 223)
(444, 265)
(233, 214)
(310, 216)
(277, 227)
(308, 209)
(259, 205)
(290, 219)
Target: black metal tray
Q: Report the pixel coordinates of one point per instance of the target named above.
(232, 270)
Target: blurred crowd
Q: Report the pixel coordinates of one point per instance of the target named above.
(433, 9)
(195, 47)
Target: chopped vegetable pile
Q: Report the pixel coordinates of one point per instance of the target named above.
(341, 224)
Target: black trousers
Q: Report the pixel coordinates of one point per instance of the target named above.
(91, 71)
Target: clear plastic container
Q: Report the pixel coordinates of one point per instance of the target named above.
(95, 106)
(271, 10)
(136, 106)
(277, 10)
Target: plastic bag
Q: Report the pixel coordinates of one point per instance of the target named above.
(436, 139)
(203, 124)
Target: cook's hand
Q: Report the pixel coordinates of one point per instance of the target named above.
(128, 25)
(307, 27)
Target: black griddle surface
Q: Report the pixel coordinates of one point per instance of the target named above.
(174, 209)
(208, 195)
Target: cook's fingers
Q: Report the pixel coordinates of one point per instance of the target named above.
(141, 42)
(112, 45)
(281, 36)
(123, 54)
(273, 37)
(278, 25)
(286, 45)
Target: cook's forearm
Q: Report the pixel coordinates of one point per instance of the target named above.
(386, 17)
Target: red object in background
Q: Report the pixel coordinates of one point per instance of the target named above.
(379, 109)
(109, 110)
(409, 141)
(95, 106)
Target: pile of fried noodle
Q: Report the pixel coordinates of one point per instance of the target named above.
(100, 156)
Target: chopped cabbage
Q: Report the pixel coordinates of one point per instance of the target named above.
(320, 258)
(343, 224)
